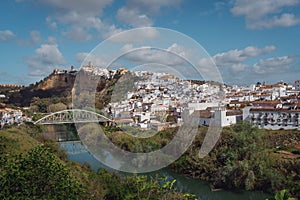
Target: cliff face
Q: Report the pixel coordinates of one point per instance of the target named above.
(58, 81)
(57, 84)
(60, 84)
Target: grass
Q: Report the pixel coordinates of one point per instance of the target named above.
(16, 141)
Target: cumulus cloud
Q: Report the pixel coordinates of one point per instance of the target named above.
(273, 65)
(51, 40)
(151, 55)
(111, 30)
(133, 17)
(6, 35)
(173, 55)
(266, 13)
(137, 12)
(101, 61)
(47, 57)
(236, 56)
(136, 35)
(285, 20)
(91, 6)
(180, 50)
(237, 68)
(51, 23)
(79, 25)
(80, 18)
(234, 59)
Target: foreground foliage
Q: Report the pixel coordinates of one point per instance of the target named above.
(242, 159)
(245, 157)
(31, 167)
(139, 187)
(38, 174)
(282, 195)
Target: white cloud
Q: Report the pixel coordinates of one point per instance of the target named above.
(111, 30)
(78, 33)
(173, 55)
(133, 17)
(137, 12)
(285, 20)
(80, 18)
(91, 6)
(100, 61)
(126, 48)
(79, 25)
(273, 65)
(236, 56)
(175, 59)
(47, 57)
(51, 23)
(6, 35)
(136, 35)
(234, 59)
(51, 40)
(153, 6)
(180, 50)
(266, 13)
(237, 68)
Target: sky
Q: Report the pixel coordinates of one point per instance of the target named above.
(248, 41)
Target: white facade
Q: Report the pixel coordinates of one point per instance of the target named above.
(297, 85)
(275, 119)
(202, 106)
(222, 119)
(219, 118)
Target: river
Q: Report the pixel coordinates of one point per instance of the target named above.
(201, 189)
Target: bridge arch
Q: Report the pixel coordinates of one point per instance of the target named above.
(72, 116)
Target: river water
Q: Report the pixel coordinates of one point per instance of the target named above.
(201, 189)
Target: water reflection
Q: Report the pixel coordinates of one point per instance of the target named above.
(201, 189)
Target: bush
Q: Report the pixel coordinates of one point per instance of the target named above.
(39, 174)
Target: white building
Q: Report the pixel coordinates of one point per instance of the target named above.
(275, 118)
(297, 85)
(219, 117)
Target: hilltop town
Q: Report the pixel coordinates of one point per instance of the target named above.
(159, 100)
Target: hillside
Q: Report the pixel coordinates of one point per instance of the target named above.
(32, 167)
(60, 84)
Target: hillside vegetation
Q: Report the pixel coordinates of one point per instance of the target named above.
(32, 167)
(245, 157)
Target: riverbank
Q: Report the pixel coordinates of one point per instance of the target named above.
(198, 187)
(241, 150)
(32, 167)
(244, 158)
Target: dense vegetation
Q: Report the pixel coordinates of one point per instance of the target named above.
(32, 167)
(245, 157)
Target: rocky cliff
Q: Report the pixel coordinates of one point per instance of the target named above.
(60, 84)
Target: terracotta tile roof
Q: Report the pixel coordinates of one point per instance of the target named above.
(234, 112)
(271, 103)
(274, 110)
(204, 113)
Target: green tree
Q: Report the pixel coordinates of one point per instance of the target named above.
(56, 107)
(39, 174)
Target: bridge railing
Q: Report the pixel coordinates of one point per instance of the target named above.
(72, 116)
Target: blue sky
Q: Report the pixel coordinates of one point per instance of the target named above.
(249, 41)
